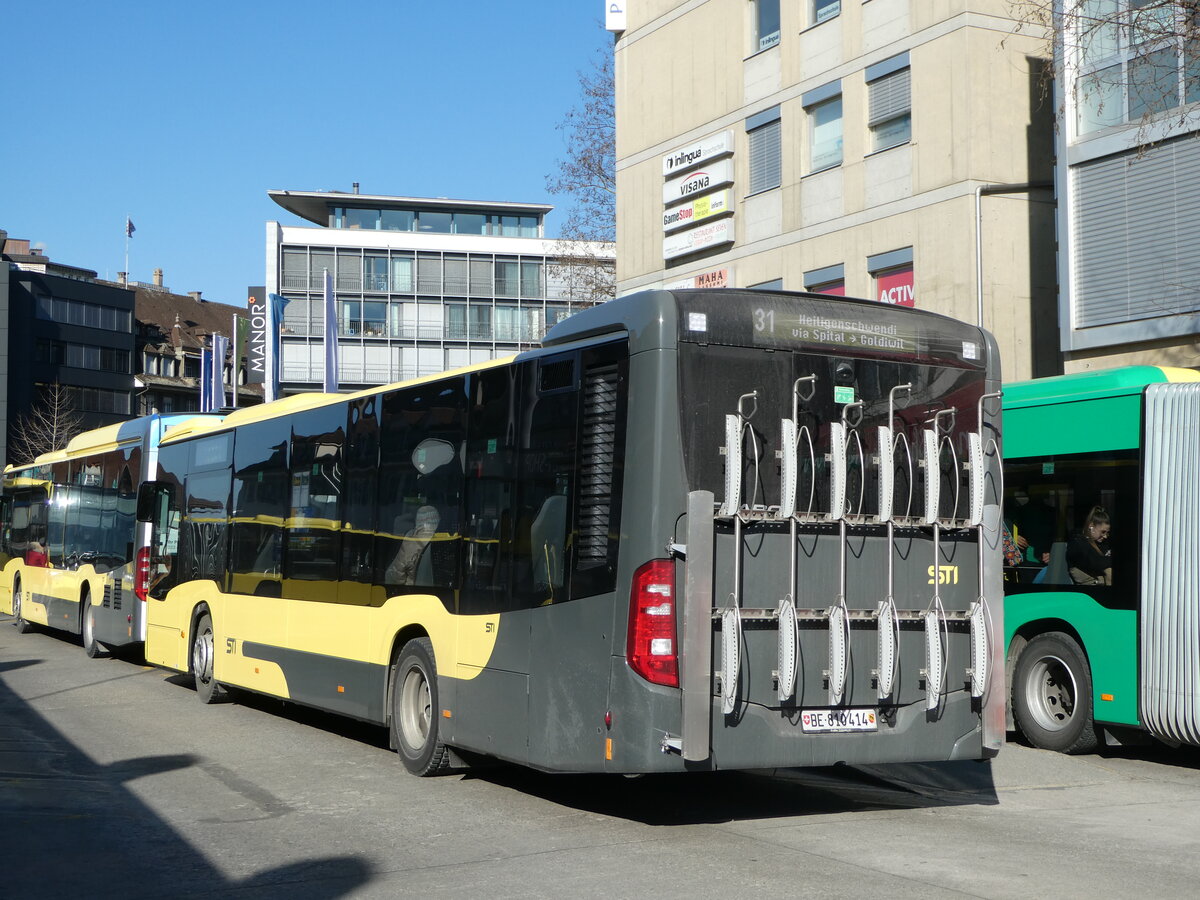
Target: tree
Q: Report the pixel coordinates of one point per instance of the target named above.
(588, 175)
(1125, 61)
(50, 423)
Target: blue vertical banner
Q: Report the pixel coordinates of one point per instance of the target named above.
(331, 337)
(272, 340)
(205, 380)
(220, 345)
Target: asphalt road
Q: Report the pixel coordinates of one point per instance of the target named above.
(116, 781)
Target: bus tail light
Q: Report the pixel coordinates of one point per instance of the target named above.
(141, 574)
(652, 642)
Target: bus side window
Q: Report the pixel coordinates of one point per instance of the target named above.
(6, 525)
(550, 417)
(490, 486)
(420, 480)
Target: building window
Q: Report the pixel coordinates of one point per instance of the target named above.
(470, 223)
(823, 10)
(361, 219)
(893, 276)
(398, 220)
(434, 222)
(775, 284)
(1133, 59)
(830, 280)
(762, 134)
(375, 269)
(77, 312)
(889, 85)
(766, 23)
(824, 108)
(402, 274)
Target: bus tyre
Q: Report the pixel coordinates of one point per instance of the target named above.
(1052, 695)
(415, 720)
(87, 628)
(208, 689)
(23, 626)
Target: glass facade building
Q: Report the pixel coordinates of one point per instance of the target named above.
(420, 286)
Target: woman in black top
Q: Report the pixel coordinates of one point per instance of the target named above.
(1089, 557)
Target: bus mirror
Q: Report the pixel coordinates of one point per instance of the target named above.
(147, 500)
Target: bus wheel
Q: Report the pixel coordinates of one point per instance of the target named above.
(23, 627)
(87, 628)
(1052, 695)
(414, 710)
(208, 689)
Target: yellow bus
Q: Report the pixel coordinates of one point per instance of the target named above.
(69, 536)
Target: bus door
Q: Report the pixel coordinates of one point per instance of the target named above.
(30, 520)
(494, 621)
(565, 559)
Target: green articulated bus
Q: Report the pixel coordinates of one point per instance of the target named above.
(1102, 610)
(694, 530)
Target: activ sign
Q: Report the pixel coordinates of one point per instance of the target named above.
(895, 286)
(701, 181)
(702, 151)
(700, 238)
(697, 211)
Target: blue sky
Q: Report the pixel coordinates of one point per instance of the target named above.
(182, 116)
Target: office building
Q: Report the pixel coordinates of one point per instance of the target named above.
(64, 336)
(893, 149)
(421, 285)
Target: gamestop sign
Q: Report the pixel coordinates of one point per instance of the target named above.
(895, 286)
(698, 210)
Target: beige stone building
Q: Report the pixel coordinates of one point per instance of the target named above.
(893, 149)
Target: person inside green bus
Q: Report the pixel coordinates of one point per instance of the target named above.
(1089, 556)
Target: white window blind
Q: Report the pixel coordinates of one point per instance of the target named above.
(890, 96)
(765, 169)
(1137, 224)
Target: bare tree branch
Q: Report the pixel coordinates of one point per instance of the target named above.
(587, 175)
(1127, 62)
(49, 425)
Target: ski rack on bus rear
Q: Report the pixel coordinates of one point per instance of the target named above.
(698, 682)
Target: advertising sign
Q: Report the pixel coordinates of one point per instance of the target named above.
(895, 286)
(614, 15)
(717, 278)
(256, 343)
(698, 210)
(700, 238)
(702, 151)
(701, 181)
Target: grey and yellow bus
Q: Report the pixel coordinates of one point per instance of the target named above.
(69, 538)
(694, 530)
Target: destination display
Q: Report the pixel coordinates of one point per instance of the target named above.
(772, 326)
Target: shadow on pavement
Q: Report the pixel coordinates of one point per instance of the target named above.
(710, 798)
(1142, 748)
(71, 827)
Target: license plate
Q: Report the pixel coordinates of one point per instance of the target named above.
(815, 721)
